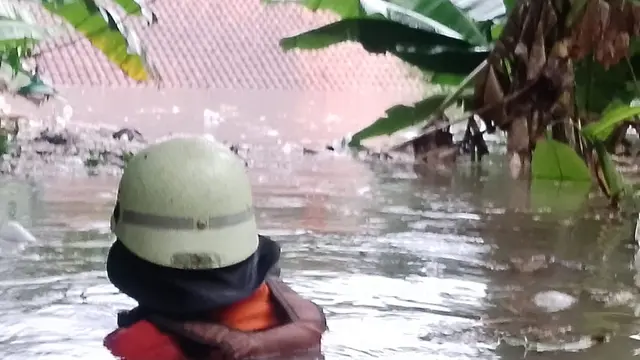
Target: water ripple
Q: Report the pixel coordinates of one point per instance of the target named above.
(405, 268)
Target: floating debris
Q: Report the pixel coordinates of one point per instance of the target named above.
(582, 343)
(554, 301)
(36, 149)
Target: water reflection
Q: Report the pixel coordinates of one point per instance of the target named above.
(406, 267)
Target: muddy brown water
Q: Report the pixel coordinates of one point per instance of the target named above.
(406, 267)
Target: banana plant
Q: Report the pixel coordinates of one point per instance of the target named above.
(21, 39)
(439, 37)
(106, 31)
(452, 43)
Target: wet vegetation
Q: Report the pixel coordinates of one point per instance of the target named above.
(557, 76)
(23, 39)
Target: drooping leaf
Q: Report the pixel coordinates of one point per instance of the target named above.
(443, 12)
(611, 118)
(496, 31)
(374, 33)
(17, 34)
(399, 117)
(344, 8)
(509, 4)
(427, 50)
(611, 181)
(138, 7)
(12, 58)
(553, 160)
(463, 93)
(562, 197)
(106, 32)
(613, 104)
(448, 61)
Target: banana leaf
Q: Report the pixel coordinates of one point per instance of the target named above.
(443, 16)
(106, 32)
(427, 50)
(139, 8)
(609, 177)
(343, 8)
(553, 160)
(401, 117)
(611, 118)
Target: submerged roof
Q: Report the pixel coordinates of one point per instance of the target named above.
(233, 45)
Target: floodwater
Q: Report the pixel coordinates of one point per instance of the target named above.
(441, 266)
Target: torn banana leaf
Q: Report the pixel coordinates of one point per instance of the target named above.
(343, 8)
(400, 117)
(106, 32)
(428, 50)
(443, 16)
(138, 8)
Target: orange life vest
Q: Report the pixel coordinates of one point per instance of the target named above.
(274, 323)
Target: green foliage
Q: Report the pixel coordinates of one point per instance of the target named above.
(137, 8)
(596, 87)
(4, 144)
(509, 4)
(612, 181)
(445, 79)
(19, 34)
(553, 160)
(448, 45)
(375, 33)
(18, 37)
(408, 33)
(428, 50)
(343, 8)
(400, 117)
(106, 32)
(563, 197)
(612, 117)
(448, 14)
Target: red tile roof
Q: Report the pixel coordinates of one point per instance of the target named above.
(233, 45)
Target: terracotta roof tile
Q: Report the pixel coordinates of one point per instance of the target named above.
(234, 45)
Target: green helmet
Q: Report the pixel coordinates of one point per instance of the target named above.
(186, 203)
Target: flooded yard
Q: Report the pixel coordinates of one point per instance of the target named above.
(451, 265)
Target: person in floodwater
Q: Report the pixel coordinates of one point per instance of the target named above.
(188, 251)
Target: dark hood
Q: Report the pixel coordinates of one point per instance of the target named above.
(179, 292)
